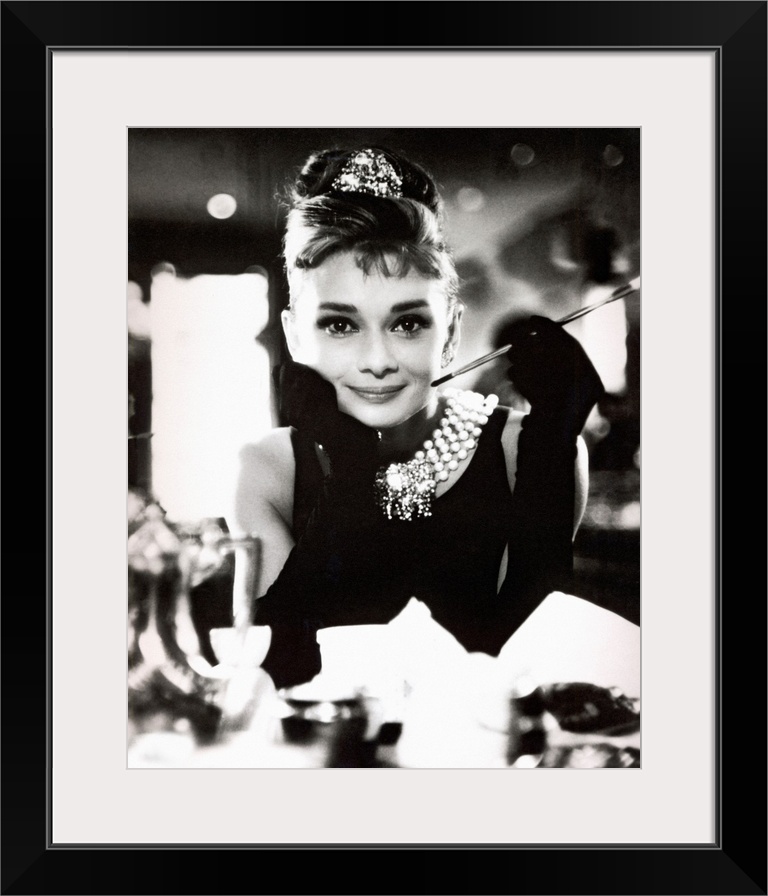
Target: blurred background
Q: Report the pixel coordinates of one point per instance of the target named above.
(540, 221)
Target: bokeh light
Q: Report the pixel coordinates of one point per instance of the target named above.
(470, 199)
(612, 156)
(522, 154)
(222, 205)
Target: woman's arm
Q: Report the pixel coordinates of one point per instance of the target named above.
(264, 508)
(547, 475)
(264, 501)
(509, 439)
(298, 584)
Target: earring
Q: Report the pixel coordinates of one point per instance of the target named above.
(447, 356)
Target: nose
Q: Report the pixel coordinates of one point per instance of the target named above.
(376, 356)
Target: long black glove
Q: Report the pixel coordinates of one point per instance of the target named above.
(552, 371)
(304, 597)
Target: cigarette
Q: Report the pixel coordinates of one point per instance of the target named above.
(620, 293)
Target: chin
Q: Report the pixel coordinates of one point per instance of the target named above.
(386, 416)
(378, 418)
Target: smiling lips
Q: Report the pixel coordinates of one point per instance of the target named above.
(376, 394)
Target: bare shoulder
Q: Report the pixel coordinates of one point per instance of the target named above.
(267, 472)
(273, 449)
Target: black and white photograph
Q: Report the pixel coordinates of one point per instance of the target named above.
(384, 440)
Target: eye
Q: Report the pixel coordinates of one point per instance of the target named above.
(336, 326)
(412, 323)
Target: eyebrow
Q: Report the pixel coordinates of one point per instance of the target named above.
(351, 309)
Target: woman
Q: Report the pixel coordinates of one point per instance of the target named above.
(381, 488)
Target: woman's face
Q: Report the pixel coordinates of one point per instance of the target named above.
(377, 339)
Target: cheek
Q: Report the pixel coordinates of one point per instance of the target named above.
(425, 364)
(424, 356)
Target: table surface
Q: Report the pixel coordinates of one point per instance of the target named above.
(456, 714)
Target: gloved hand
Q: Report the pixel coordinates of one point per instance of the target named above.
(552, 371)
(308, 402)
(340, 535)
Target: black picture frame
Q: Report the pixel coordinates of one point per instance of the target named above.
(735, 863)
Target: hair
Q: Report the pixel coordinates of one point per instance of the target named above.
(391, 235)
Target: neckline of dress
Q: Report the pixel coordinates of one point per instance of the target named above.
(464, 469)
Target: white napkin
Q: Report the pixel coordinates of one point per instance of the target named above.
(454, 704)
(568, 638)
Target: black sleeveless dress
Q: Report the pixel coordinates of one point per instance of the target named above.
(450, 561)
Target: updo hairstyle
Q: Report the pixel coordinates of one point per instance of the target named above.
(389, 234)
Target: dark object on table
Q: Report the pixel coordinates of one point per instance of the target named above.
(389, 733)
(591, 756)
(527, 733)
(338, 726)
(589, 709)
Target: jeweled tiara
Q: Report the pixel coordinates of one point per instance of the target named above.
(369, 171)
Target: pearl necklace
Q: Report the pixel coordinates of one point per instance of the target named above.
(407, 490)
